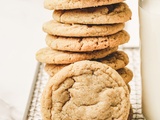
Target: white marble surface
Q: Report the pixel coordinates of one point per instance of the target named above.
(20, 37)
(132, 26)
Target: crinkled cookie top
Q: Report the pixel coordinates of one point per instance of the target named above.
(86, 90)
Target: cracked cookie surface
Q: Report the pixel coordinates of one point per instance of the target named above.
(86, 90)
(116, 60)
(72, 4)
(50, 56)
(116, 13)
(76, 30)
(87, 43)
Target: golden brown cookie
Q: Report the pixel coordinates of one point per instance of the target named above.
(86, 90)
(52, 69)
(110, 14)
(72, 4)
(116, 60)
(76, 30)
(47, 55)
(126, 74)
(87, 43)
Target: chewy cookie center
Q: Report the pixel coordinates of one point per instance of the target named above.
(94, 95)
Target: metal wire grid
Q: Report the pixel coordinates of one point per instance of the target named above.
(42, 78)
(135, 97)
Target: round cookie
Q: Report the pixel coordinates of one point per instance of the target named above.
(47, 55)
(76, 30)
(126, 74)
(86, 90)
(129, 87)
(115, 13)
(72, 4)
(87, 43)
(116, 60)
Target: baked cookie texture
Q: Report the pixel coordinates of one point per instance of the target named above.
(76, 30)
(110, 14)
(65, 96)
(47, 55)
(116, 60)
(85, 44)
(72, 4)
(88, 76)
(126, 74)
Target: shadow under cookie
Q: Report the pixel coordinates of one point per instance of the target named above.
(78, 30)
(70, 4)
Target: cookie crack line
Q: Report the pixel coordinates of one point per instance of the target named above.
(53, 27)
(110, 14)
(83, 105)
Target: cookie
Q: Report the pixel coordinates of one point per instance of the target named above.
(86, 90)
(87, 43)
(116, 60)
(47, 55)
(72, 4)
(126, 74)
(76, 30)
(52, 69)
(111, 14)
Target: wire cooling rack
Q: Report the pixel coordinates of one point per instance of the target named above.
(33, 109)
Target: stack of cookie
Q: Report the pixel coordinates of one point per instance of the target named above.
(84, 30)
